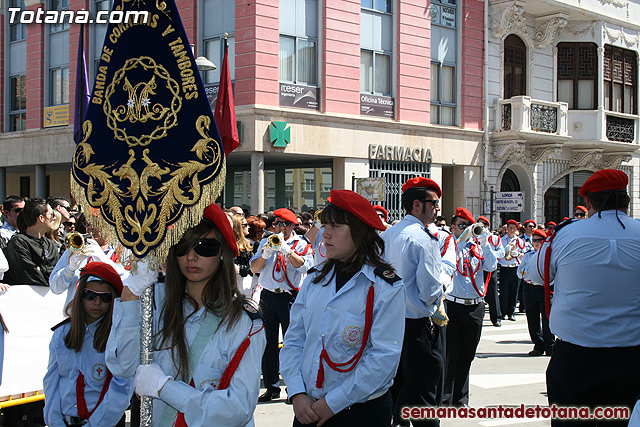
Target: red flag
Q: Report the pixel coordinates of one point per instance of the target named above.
(225, 113)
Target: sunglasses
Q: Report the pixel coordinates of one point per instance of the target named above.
(436, 203)
(538, 240)
(69, 224)
(463, 225)
(17, 210)
(579, 214)
(244, 224)
(282, 224)
(529, 225)
(207, 248)
(89, 295)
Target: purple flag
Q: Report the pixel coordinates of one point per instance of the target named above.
(82, 89)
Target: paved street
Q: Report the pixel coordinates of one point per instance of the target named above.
(501, 374)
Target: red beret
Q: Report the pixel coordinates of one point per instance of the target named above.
(215, 215)
(358, 206)
(380, 208)
(551, 224)
(514, 222)
(581, 208)
(104, 272)
(538, 232)
(464, 213)
(605, 180)
(286, 214)
(529, 221)
(484, 219)
(421, 182)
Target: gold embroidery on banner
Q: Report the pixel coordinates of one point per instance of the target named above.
(139, 107)
(176, 187)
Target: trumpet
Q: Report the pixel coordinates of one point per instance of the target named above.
(316, 216)
(75, 241)
(274, 241)
(474, 230)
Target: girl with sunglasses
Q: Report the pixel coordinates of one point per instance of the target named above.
(342, 348)
(208, 341)
(79, 389)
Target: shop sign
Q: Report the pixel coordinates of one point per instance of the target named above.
(212, 94)
(58, 115)
(402, 154)
(280, 134)
(377, 106)
(443, 15)
(299, 96)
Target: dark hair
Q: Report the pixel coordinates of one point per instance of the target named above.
(33, 208)
(441, 218)
(75, 311)
(54, 202)
(8, 203)
(369, 244)
(416, 193)
(80, 223)
(307, 216)
(269, 218)
(609, 200)
(219, 295)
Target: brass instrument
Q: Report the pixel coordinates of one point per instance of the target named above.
(75, 241)
(274, 241)
(511, 251)
(316, 216)
(474, 230)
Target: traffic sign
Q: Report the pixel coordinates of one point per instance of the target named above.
(509, 201)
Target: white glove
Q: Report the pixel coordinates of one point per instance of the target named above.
(93, 250)
(149, 380)
(267, 251)
(317, 224)
(4, 288)
(284, 248)
(483, 239)
(75, 261)
(142, 279)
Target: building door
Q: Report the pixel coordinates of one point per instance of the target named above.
(509, 182)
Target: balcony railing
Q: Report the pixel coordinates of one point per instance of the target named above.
(620, 129)
(523, 114)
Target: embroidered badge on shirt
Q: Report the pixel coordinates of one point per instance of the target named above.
(99, 372)
(352, 335)
(212, 382)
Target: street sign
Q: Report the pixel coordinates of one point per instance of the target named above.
(509, 201)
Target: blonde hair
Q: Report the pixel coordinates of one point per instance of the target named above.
(242, 241)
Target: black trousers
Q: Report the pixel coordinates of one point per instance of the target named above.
(275, 312)
(374, 413)
(463, 335)
(508, 290)
(419, 380)
(520, 295)
(581, 376)
(491, 297)
(534, 306)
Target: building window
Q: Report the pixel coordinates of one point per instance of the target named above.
(17, 31)
(444, 58)
(59, 6)
(299, 41)
(214, 51)
(18, 103)
(620, 69)
(376, 41)
(59, 86)
(515, 69)
(577, 72)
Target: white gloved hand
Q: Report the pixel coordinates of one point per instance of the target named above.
(149, 380)
(92, 249)
(483, 239)
(317, 224)
(267, 251)
(76, 259)
(284, 248)
(142, 279)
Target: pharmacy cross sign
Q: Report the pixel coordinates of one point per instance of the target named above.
(280, 134)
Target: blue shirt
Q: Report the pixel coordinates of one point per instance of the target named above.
(62, 373)
(514, 248)
(523, 268)
(320, 312)
(270, 276)
(415, 255)
(447, 243)
(472, 258)
(319, 251)
(595, 265)
(203, 405)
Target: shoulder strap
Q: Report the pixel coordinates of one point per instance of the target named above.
(388, 274)
(64, 322)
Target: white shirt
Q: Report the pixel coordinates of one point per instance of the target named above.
(595, 266)
(415, 255)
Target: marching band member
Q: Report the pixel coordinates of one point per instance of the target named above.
(209, 341)
(580, 212)
(415, 255)
(594, 266)
(447, 244)
(315, 235)
(383, 214)
(513, 249)
(79, 389)
(343, 346)
(282, 264)
(534, 302)
(465, 306)
(491, 298)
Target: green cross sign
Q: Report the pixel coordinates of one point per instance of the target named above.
(280, 134)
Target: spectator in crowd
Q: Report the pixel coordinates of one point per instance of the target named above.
(256, 230)
(245, 252)
(54, 234)
(30, 253)
(441, 223)
(305, 220)
(70, 225)
(11, 207)
(78, 387)
(61, 205)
